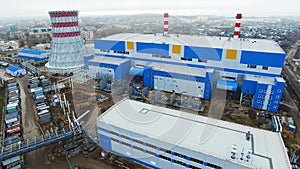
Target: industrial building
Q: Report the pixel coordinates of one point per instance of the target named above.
(176, 78)
(115, 68)
(34, 55)
(40, 31)
(16, 70)
(229, 61)
(139, 131)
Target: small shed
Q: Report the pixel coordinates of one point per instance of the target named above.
(16, 70)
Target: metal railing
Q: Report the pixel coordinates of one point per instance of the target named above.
(30, 145)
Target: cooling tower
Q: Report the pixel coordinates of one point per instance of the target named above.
(66, 43)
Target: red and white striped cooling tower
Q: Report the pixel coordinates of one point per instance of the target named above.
(66, 44)
(237, 27)
(166, 24)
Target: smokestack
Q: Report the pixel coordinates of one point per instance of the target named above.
(237, 27)
(166, 24)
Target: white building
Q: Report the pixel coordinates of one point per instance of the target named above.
(164, 138)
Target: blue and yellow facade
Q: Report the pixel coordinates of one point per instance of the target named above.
(230, 59)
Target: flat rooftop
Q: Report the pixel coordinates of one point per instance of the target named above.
(258, 45)
(108, 60)
(180, 69)
(210, 136)
(31, 51)
(263, 79)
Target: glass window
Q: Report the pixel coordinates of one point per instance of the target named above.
(265, 67)
(251, 66)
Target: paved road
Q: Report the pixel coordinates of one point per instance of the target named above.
(292, 80)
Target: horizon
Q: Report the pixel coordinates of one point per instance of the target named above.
(255, 8)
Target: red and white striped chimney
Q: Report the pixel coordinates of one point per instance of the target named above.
(237, 27)
(166, 24)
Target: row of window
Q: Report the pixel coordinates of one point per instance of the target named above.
(161, 56)
(161, 156)
(254, 67)
(276, 102)
(160, 148)
(260, 107)
(114, 51)
(272, 92)
(263, 96)
(190, 59)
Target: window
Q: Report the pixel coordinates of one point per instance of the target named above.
(113, 133)
(186, 59)
(115, 140)
(150, 152)
(138, 148)
(150, 145)
(137, 141)
(275, 107)
(276, 101)
(228, 78)
(277, 96)
(260, 90)
(193, 167)
(125, 137)
(166, 57)
(165, 150)
(179, 162)
(196, 160)
(258, 101)
(180, 155)
(200, 60)
(265, 67)
(272, 92)
(278, 91)
(259, 96)
(251, 66)
(213, 166)
(165, 158)
(271, 98)
(265, 91)
(126, 144)
(263, 96)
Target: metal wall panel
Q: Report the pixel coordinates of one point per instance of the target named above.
(263, 58)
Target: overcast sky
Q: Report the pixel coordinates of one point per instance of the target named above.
(29, 8)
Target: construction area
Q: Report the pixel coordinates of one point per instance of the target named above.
(47, 104)
(51, 101)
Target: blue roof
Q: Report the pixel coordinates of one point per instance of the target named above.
(30, 51)
(227, 85)
(14, 68)
(33, 58)
(137, 71)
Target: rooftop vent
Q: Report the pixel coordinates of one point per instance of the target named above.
(143, 111)
(248, 156)
(248, 135)
(233, 151)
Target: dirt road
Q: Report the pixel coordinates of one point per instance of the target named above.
(29, 122)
